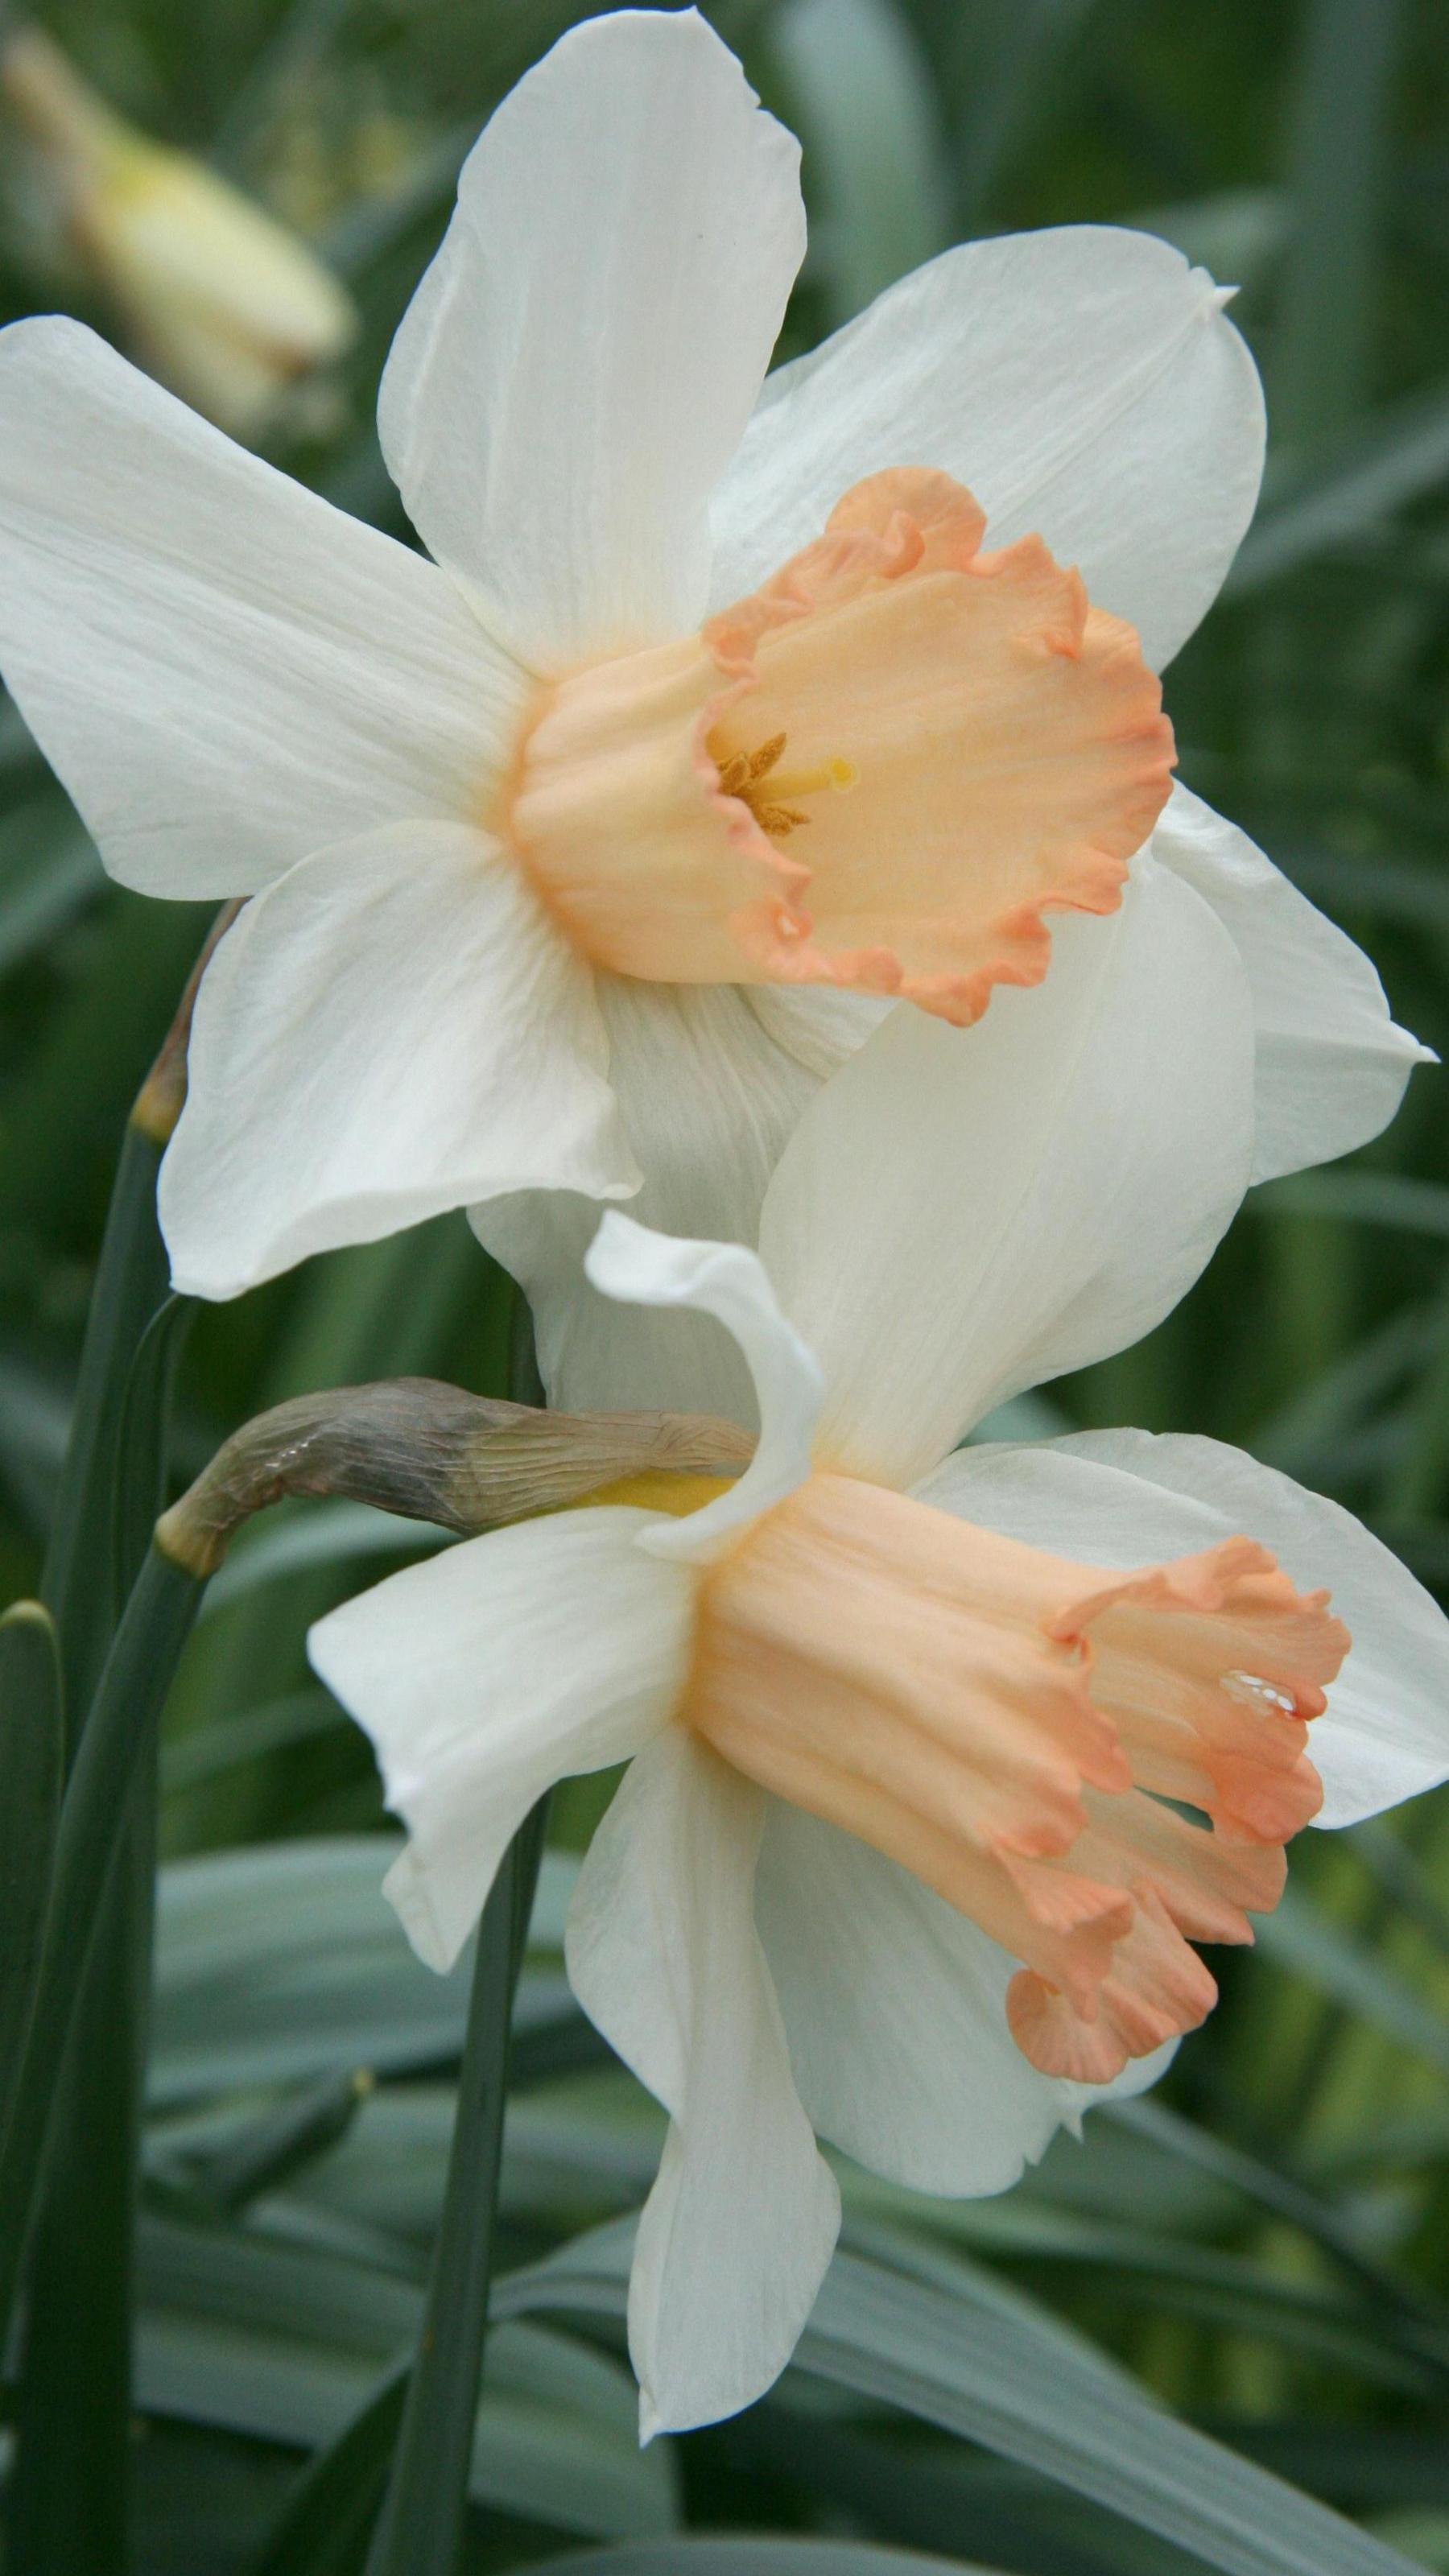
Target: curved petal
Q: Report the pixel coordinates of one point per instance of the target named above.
(665, 1959)
(1331, 1065)
(895, 2009)
(225, 671)
(1117, 1495)
(724, 1280)
(393, 1029)
(478, 1695)
(963, 1213)
(578, 365)
(1083, 383)
(710, 1080)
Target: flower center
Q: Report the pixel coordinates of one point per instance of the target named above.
(1007, 753)
(772, 794)
(1010, 1726)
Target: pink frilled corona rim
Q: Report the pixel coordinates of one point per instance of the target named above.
(1098, 1771)
(881, 770)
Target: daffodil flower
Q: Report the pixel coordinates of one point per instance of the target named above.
(941, 1760)
(726, 710)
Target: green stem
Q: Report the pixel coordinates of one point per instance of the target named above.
(104, 1781)
(31, 1760)
(70, 2496)
(323, 2525)
(420, 2531)
(78, 1585)
(86, 1580)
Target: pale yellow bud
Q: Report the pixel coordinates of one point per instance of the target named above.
(224, 304)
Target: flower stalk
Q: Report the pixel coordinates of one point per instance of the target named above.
(76, 2086)
(420, 2528)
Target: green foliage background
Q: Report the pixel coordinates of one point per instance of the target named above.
(1266, 2244)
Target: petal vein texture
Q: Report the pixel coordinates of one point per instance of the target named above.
(225, 672)
(664, 1956)
(578, 365)
(1084, 383)
(964, 1213)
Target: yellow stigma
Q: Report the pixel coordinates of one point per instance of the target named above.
(773, 806)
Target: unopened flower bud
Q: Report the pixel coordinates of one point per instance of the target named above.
(225, 305)
(431, 1452)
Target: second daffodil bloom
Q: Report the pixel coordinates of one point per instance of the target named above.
(579, 854)
(942, 1761)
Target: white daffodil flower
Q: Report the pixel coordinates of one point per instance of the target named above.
(892, 1863)
(725, 709)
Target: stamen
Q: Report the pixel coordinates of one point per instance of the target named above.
(773, 807)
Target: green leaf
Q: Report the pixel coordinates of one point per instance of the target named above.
(1343, 96)
(1364, 1198)
(1395, 461)
(965, 2362)
(285, 1962)
(323, 2527)
(711, 2557)
(34, 1425)
(142, 1436)
(70, 2492)
(262, 2336)
(868, 119)
(32, 1754)
(46, 879)
(1298, 1935)
(224, 1744)
(420, 2528)
(130, 1284)
(133, 1687)
(270, 2150)
(1281, 2195)
(1000, 64)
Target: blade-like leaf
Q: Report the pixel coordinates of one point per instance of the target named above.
(130, 1284)
(420, 2528)
(283, 1963)
(711, 2557)
(323, 2527)
(1366, 1198)
(966, 2363)
(31, 1759)
(868, 120)
(1300, 1936)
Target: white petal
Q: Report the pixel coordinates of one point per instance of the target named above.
(225, 671)
(490, 1672)
(577, 367)
(627, 1261)
(965, 1212)
(1121, 1498)
(895, 2008)
(665, 1959)
(1083, 383)
(709, 1086)
(393, 1029)
(1331, 1065)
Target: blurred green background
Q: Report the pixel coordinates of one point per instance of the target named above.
(1267, 2244)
